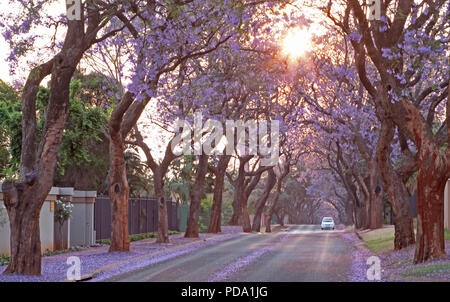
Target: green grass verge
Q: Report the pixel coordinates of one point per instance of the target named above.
(419, 271)
(379, 240)
(138, 237)
(382, 240)
(385, 243)
(4, 259)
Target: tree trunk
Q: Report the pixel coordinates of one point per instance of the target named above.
(271, 212)
(280, 219)
(348, 213)
(25, 234)
(27, 246)
(268, 220)
(239, 192)
(37, 169)
(430, 213)
(216, 208)
(234, 220)
(196, 198)
(431, 179)
(163, 219)
(261, 203)
(396, 190)
(376, 198)
(24, 201)
(118, 182)
(246, 225)
(118, 193)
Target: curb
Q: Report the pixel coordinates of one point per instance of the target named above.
(117, 264)
(361, 243)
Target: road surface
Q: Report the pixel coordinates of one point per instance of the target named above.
(303, 253)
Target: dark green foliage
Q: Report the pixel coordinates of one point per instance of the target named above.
(205, 213)
(4, 260)
(84, 125)
(139, 174)
(83, 129)
(83, 157)
(10, 130)
(183, 177)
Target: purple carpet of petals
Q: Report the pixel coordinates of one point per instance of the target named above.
(54, 268)
(394, 264)
(234, 266)
(359, 257)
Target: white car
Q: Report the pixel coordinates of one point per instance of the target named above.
(327, 223)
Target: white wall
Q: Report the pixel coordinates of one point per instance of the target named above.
(80, 225)
(82, 220)
(45, 222)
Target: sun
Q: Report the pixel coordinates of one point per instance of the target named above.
(296, 43)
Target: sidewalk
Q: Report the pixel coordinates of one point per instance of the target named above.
(98, 264)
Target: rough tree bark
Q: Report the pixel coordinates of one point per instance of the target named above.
(118, 183)
(235, 217)
(243, 188)
(196, 197)
(239, 191)
(249, 187)
(396, 190)
(278, 180)
(372, 187)
(376, 197)
(273, 206)
(431, 179)
(350, 188)
(216, 208)
(432, 163)
(159, 171)
(163, 219)
(261, 202)
(24, 200)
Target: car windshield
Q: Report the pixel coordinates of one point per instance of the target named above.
(327, 220)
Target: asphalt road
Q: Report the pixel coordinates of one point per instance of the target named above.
(304, 253)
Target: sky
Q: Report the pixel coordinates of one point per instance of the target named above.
(53, 9)
(21, 73)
